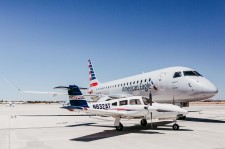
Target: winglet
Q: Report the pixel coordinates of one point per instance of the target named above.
(13, 85)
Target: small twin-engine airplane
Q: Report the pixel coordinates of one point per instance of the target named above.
(135, 107)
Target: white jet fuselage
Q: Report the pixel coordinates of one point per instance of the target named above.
(174, 84)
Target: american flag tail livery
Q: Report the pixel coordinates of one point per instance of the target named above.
(93, 80)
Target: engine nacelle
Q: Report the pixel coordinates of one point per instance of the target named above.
(182, 104)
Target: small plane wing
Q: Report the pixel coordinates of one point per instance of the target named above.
(110, 112)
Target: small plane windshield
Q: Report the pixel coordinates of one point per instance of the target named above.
(192, 73)
(146, 101)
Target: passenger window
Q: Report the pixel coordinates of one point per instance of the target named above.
(114, 104)
(135, 102)
(123, 102)
(177, 74)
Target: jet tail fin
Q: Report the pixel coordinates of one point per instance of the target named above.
(93, 79)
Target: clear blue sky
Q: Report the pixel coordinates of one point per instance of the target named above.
(45, 43)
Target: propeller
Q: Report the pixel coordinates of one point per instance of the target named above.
(150, 103)
(150, 99)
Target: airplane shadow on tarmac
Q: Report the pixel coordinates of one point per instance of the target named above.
(127, 130)
(204, 120)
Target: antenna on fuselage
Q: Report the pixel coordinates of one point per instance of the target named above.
(173, 101)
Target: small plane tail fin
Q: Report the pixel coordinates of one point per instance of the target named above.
(76, 97)
(92, 76)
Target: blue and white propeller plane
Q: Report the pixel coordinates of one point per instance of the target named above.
(134, 107)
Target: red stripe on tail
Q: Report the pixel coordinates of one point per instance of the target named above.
(94, 84)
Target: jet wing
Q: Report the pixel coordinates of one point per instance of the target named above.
(55, 93)
(37, 92)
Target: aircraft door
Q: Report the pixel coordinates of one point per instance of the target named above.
(161, 81)
(175, 80)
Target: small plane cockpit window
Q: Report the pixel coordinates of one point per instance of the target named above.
(123, 102)
(177, 74)
(135, 102)
(192, 73)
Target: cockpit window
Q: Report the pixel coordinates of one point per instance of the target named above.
(192, 73)
(198, 73)
(177, 74)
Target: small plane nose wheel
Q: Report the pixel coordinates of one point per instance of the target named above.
(120, 127)
(176, 127)
(144, 122)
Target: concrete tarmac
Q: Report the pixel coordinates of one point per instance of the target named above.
(47, 126)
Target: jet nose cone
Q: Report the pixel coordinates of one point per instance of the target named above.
(210, 90)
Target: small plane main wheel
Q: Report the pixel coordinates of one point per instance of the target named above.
(181, 118)
(176, 127)
(120, 127)
(153, 126)
(144, 122)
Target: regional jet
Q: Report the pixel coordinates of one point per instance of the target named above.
(177, 85)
